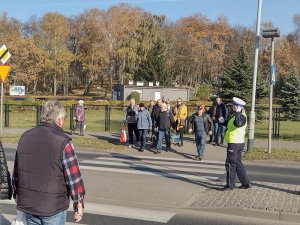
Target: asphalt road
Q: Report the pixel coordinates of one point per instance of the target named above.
(94, 161)
(184, 218)
(265, 173)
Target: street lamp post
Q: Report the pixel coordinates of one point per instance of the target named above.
(271, 33)
(252, 112)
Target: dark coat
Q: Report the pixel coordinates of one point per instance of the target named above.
(165, 121)
(5, 178)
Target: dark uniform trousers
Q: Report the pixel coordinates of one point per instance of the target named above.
(234, 165)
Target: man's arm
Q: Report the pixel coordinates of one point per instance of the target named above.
(15, 176)
(73, 178)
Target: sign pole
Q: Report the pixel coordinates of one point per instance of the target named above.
(1, 109)
(272, 81)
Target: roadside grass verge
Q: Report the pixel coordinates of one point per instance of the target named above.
(277, 154)
(79, 142)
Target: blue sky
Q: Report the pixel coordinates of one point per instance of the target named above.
(239, 12)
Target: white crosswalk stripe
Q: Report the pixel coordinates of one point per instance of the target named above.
(156, 166)
(100, 209)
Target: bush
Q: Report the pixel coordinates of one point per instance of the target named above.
(134, 95)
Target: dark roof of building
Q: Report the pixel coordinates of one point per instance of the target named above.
(147, 87)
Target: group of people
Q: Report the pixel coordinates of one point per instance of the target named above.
(158, 119)
(154, 123)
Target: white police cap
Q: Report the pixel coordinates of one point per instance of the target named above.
(238, 101)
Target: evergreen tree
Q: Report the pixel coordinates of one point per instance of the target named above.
(153, 68)
(237, 79)
(290, 95)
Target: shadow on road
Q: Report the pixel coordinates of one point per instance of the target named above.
(135, 164)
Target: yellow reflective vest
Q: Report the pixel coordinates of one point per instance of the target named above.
(235, 135)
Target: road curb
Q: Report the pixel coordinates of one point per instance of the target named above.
(253, 213)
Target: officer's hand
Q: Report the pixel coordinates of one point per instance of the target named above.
(210, 132)
(190, 130)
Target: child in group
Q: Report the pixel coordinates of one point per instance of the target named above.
(201, 125)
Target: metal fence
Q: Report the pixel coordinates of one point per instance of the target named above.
(110, 118)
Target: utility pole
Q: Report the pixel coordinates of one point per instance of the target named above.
(252, 112)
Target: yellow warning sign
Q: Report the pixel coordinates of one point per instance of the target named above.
(4, 70)
(4, 54)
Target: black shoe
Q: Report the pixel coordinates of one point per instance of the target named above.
(141, 150)
(157, 152)
(208, 142)
(168, 149)
(227, 188)
(196, 156)
(200, 158)
(244, 186)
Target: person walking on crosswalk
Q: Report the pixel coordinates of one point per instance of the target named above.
(144, 124)
(46, 171)
(235, 137)
(164, 123)
(201, 124)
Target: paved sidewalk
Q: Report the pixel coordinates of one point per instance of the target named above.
(261, 196)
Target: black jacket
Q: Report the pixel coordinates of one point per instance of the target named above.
(155, 113)
(5, 178)
(165, 121)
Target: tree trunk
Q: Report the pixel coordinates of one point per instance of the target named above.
(54, 84)
(35, 82)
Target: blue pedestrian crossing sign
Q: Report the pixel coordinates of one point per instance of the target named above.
(273, 73)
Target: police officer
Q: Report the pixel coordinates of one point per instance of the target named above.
(235, 137)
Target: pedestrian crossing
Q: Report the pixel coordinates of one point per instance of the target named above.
(180, 168)
(95, 212)
(183, 169)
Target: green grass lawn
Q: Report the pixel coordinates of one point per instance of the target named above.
(94, 143)
(289, 130)
(25, 117)
(277, 154)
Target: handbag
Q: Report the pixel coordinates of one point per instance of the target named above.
(20, 219)
(123, 136)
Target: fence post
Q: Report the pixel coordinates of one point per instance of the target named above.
(71, 118)
(106, 118)
(6, 115)
(38, 114)
(109, 110)
(279, 122)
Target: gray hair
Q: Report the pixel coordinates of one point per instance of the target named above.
(52, 111)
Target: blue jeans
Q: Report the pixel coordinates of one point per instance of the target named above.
(58, 219)
(161, 134)
(143, 133)
(200, 139)
(218, 128)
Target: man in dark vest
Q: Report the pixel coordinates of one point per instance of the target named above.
(46, 172)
